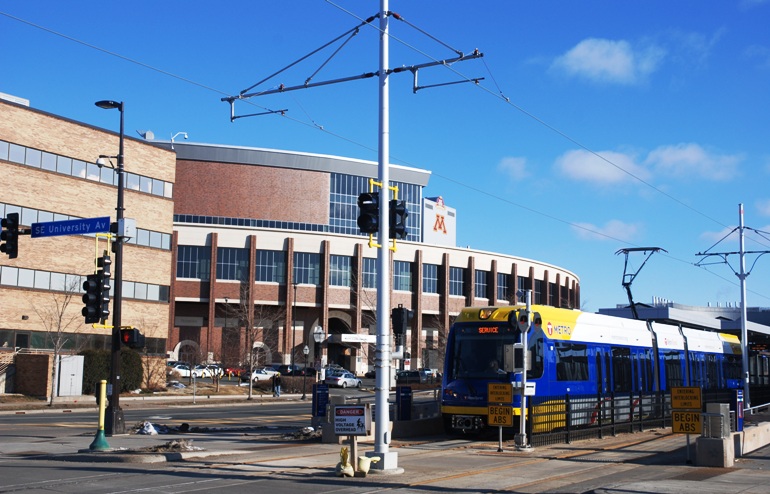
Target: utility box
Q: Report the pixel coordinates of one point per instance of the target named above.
(717, 420)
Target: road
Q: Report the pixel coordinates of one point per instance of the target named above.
(267, 461)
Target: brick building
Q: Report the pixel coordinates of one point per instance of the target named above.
(50, 163)
(273, 234)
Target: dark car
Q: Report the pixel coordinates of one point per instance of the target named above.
(307, 371)
(410, 377)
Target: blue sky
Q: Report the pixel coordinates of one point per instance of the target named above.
(598, 125)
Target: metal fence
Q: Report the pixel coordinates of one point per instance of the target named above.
(567, 418)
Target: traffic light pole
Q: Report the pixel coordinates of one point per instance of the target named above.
(388, 459)
(114, 423)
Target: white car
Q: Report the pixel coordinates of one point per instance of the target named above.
(343, 380)
(182, 369)
(260, 375)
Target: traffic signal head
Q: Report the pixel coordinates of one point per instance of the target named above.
(10, 235)
(369, 212)
(92, 299)
(401, 317)
(132, 338)
(523, 320)
(398, 214)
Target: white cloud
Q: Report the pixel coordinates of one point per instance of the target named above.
(582, 165)
(612, 230)
(689, 160)
(515, 168)
(726, 234)
(608, 61)
(763, 206)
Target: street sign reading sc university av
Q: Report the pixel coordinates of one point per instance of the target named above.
(82, 226)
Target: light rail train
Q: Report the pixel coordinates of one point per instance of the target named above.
(576, 353)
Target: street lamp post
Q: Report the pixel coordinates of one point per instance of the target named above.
(305, 351)
(114, 423)
(318, 337)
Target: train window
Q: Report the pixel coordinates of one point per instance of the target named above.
(672, 361)
(621, 369)
(712, 373)
(571, 361)
(536, 349)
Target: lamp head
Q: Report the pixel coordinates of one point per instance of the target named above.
(108, 104)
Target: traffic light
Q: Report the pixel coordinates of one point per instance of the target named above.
(369, 212)
(398, 214)
(92, 298)
(401, 317)
(105, 263)
(132, 338)
(97, 296)
(523, 320)
(10, 235)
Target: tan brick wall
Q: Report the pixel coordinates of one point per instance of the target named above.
(49, 191)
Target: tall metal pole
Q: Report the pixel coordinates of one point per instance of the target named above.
(744, 330)
(388, 459)
(114, 423)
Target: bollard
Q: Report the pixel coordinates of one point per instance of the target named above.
(100, 442)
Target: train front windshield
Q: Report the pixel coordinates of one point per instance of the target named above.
(481, 352)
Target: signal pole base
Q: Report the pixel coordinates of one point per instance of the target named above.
(388, 463)
(114, 422)
(100, 442)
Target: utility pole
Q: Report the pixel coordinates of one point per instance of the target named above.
(742, 274)
(383, 353)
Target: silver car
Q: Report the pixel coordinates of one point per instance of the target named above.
(343, 380)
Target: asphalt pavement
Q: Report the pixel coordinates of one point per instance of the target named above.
(649, 461)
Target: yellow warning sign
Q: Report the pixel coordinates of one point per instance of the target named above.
(499, 393)
(500, 416)
(686, 422)
(685, 397)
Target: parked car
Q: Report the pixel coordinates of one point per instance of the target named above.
(343, 380)
(257, 375)
(234, 371)
(214, 370)
(305, 371)
(409, 377)
(371, 374)
(182, 369)
(287, 369)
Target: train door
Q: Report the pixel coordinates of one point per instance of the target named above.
(602, 371)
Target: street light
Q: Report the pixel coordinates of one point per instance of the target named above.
(114, 423)
(306, 351)
(318, 337)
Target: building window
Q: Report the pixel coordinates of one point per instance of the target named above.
(538, 295)
(194, 262)
(271, 266)
(502, 286)
(456, 281)
(343, 204)
(480, 284)
(522, 283)
(402, 276)
(307, 268)
(232, 263)
(429, 278)
(339, 270)
(369, 273)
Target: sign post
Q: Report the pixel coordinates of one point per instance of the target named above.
(499, 409)
(686, 406)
